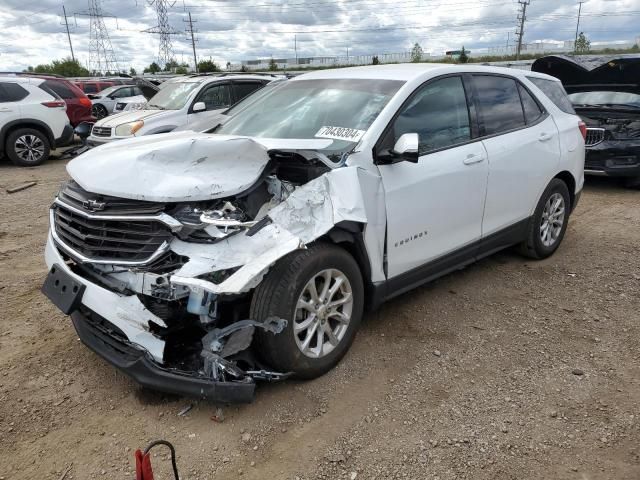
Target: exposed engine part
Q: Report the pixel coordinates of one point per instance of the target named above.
(226, 217)
(214, 341)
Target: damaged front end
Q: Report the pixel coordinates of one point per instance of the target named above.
(158, 279)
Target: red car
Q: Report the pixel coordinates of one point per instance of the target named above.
(94, 86)
(78, 104)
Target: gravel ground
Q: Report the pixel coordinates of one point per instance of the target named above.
(509, 369)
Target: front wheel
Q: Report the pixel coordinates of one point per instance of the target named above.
(99, 111)
(549, 222)
(319, 291)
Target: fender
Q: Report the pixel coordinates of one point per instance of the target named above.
(26, 123)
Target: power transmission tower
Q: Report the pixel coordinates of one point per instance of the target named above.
(191, 32)
(66, 24)
(522, 16)
(575, 42)
(101, 56)
(165, 52)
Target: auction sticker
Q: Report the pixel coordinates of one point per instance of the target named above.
(340, 133)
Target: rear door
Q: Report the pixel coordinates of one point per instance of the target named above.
(10, 94)
(522, 142)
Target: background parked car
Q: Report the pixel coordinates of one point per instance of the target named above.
(104, 102)
(94, 86)
(33, 120)
(208, 121)
(606, 94)
(180, 101)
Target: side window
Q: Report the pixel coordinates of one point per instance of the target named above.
(532, 111)
(216, 96)
(499, 104)
(438, 113)
(12, 92)
(123, 92)
(245, 88)
(60, 88)
(90, 88)
(135, 91)
(556, 93)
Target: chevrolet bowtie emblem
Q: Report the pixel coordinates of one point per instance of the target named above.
(93, 205)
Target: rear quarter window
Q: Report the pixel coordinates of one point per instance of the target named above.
(556, 93)
(60, 88)
(12, 92)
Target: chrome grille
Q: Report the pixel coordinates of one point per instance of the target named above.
(73, 194)
(108, 240)
(594, 136)
(101, 131)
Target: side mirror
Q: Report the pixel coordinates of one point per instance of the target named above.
(199, 107)
(406, 148)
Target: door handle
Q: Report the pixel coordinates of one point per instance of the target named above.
(473, 158)
(545, 136)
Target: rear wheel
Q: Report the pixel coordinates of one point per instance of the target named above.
(549, 222)
(99, 111)
(27, 147)
(319, 291)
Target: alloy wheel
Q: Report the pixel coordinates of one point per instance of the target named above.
(552, 220)
(323, 313)
(29, 148)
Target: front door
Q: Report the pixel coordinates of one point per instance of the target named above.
(434, 206)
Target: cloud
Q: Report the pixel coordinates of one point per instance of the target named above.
(244, 29)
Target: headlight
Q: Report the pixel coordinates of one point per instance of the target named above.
(127, 129)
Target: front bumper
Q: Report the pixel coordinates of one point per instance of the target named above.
(137, 364)
(96, 141)
(619, 158)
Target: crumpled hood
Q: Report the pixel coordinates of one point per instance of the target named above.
(126, 117)
(180, 166)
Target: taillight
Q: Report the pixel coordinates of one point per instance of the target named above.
(55, 104)
(84, 101)
(583, 129)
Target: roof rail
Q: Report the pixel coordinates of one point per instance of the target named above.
(227, 74)
(33, 74)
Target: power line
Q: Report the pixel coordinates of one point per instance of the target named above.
(66, 24)
(522, 16)
(191, 32)
(101, 55)
(575, 42)
(165, 51)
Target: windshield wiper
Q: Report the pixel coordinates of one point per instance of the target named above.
(156, 106)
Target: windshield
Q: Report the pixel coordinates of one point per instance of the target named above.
(606, 98)
(108, 91)
(337, 109)
(173, 96)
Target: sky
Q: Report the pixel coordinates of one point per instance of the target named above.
(234, 30)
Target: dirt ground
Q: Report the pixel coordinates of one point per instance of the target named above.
(509, 369)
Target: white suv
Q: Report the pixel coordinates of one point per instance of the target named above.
(338, 189)
(33, 120)
(178, 103)
(105, 102)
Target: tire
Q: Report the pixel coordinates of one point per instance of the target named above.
(538, 245)
(99, 111)
(27, 147)
(632, 182)
(279, 294)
